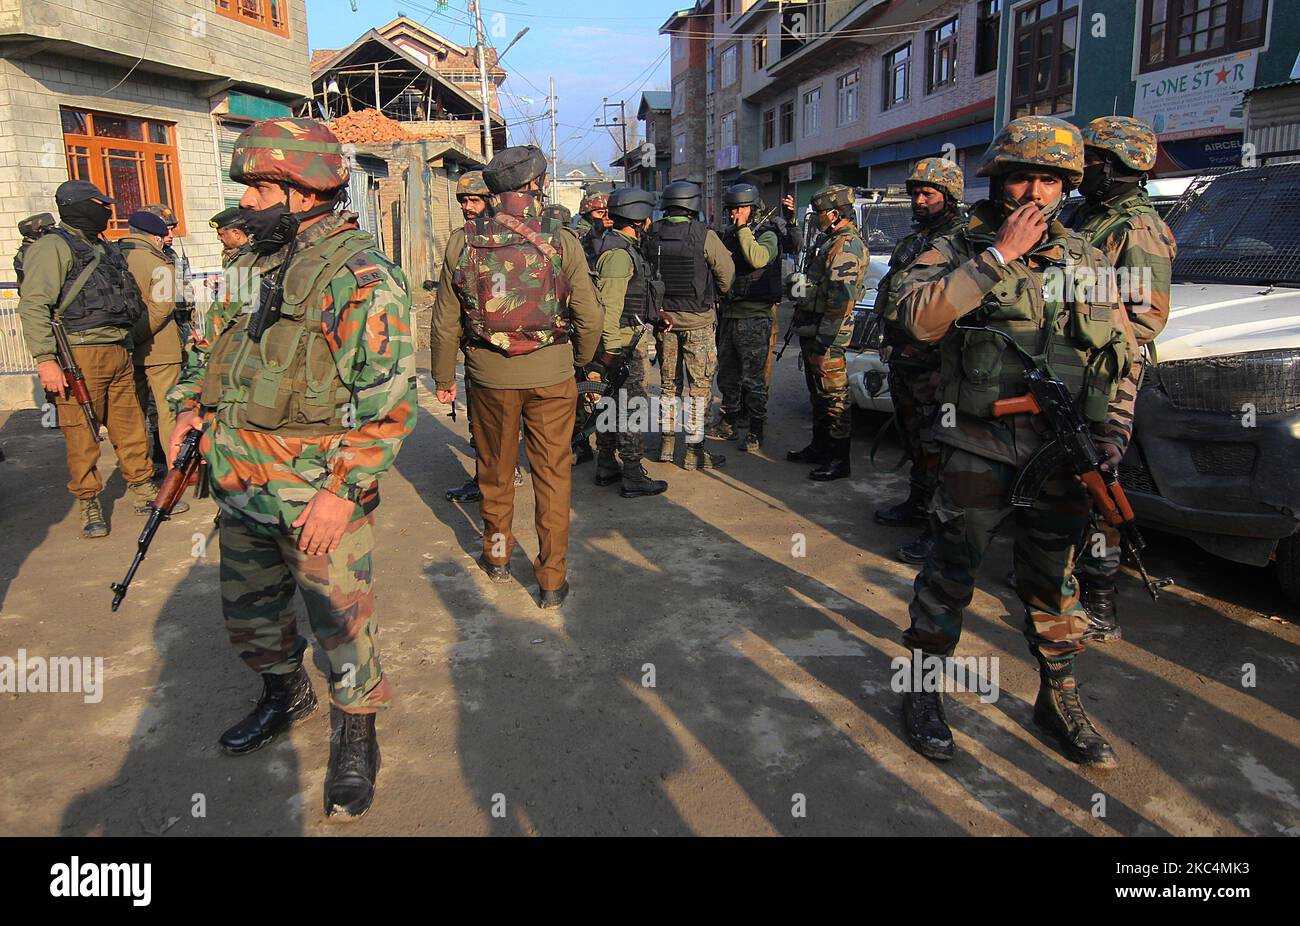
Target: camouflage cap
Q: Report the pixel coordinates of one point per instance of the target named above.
(557, 212)
(471, 183)
(512, 168)
(302, 152)
(835, 196)
(593, 200)
(940, 173)
(35, 224)
(1035, 141)
(1131, 140)
(230, 217)
(163, 212)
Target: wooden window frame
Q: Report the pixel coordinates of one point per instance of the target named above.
(95, 148)
(1175, 10)
(934, 49)
(1029, 99)
(256, 13)
(890, 68)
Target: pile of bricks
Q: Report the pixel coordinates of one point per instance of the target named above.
(368, 125)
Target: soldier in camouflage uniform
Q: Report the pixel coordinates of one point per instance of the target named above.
(936, 186)
(593, 216)
(1118, 218)
(695, 268)
(823, 319)
(623, 284)
(1007, 271)
(298, 429)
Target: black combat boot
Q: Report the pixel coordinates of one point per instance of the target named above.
(285, 700)
(1098, 598)
(837, 465)
(607, 469)
(926, 725)
(722, 429)
(1058, 712)
(753, 441)
(582, 452)
(469, 492)
(817, 452)
(699, 458)
(354, 764)
(919, 550)
(910, 512)
(637, 482)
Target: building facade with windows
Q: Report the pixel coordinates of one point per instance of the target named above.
(140, 99)
(1185, 66)
(688, 31)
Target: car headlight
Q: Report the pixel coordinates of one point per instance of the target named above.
(1268, 381)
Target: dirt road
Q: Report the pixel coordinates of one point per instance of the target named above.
(703, 678)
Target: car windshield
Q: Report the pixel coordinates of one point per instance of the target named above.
(1242, 226)
(884, 224)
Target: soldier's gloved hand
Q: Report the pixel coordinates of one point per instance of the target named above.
(787, 206)
(610, 360)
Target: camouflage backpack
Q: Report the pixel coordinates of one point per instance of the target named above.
(516, 295)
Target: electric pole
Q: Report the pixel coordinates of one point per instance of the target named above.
(555, 157)
(621, 123)
(482, 80)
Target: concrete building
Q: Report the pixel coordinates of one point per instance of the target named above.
(142, 99)
(692, 145)
(648, 165)
(1183, 65)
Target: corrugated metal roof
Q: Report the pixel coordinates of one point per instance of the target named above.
(1284, 83)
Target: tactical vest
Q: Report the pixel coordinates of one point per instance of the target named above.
(591, 245)
(99, 291)
(762, 284)
(18, 260)
(905, 254)
(1068, 330)
(677, 254)
(644, 293)
(288, 382)
(510, 277)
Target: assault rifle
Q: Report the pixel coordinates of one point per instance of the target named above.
(1072, 446)
(270, 295)
(799, 279)
(189, 469)
(72, 373)
(592, 394)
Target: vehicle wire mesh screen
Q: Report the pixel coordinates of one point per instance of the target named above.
(1240, 226)
(884, 224)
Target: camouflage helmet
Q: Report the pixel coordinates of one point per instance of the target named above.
(1035, 141)
(592, 201)
(557, 212)
(163, 212)
(301, 152)
(1131, 140)
(36, 224)
(471, 183)
(836, 196)
(513, 168)
(939, 173)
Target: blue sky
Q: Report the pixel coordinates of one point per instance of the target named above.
(589, 54)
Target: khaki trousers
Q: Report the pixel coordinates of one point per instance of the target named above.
(158, 379)
(548, 414)
(110, 379)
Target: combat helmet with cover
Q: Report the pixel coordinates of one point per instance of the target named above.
(836, 196)
(1131, 140)
(300, 152)
(940, 173)
(593, 201)
(471, 183)
(1035, 141)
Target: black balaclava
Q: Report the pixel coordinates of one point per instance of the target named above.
(275, 226)
(89, 217)
(1108, 180)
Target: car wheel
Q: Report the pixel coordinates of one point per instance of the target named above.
(1287, 560)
